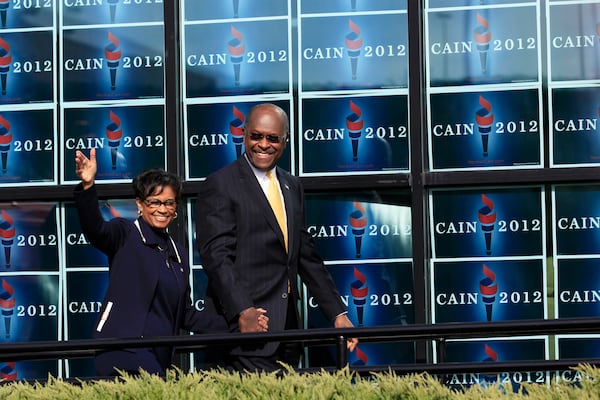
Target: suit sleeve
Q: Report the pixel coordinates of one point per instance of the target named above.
(217, 241)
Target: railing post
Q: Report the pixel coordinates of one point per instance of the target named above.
(441, 356)
(441, 350)
(342, 355)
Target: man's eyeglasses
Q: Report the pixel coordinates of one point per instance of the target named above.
(270, 138)
(155, 203)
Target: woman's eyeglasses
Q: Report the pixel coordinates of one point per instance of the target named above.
(155, 203)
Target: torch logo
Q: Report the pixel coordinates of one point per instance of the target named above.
(5, 61)
(359, 292)
(5, 141)
(114, 134)
(491, 356)
(484, 119)
(487, 219)
(353, 45)
(112, 5)
(236, 52)
(4, 4)
(488, 287)
(363, 359)
(358, 222)
(7, 371)
(112, 52)
(114, 213)
(7, 305)
(236, 128)
(355, 124)
(482, 36)
(7, 235)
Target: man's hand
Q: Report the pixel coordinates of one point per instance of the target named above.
(253, 319)
(342, 321)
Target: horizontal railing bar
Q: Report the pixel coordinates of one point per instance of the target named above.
(326, 336)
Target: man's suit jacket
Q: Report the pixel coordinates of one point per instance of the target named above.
(243, 252)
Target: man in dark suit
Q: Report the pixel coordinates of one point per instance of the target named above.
(251, 260)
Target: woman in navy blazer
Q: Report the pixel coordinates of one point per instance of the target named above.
(148, 292)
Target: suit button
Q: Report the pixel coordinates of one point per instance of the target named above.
(284, 295)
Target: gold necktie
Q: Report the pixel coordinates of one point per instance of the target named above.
(277, 205)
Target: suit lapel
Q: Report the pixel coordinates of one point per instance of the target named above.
(249, 181)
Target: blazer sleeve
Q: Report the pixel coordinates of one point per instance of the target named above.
(106, 236)
(217, 241)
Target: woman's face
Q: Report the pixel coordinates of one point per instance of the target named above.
(159, 209)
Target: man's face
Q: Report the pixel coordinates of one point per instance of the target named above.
(264, 138)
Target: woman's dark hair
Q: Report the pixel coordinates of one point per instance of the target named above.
(152, 181)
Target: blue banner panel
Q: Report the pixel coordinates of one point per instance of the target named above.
(345, 135)
(354, 52)
(573, 41)
(94, 12)
(575, 126)
(478, 291)
(369, 354)
(27, 147)
(488, 222)
(127, 140)
(465, 3)
(85, 293)
(486, 129)
(29, 308)
(360, 226)
(574, 347)
(375, 294)
(578, 292)
(481, 46)
(339, 6)
(225, 9)
(245, 57)
(200, 283)
(27, 67)
(113, 63)
(577, 219)
(27, 14)
(215, 136)
(496, 350)
(30, 370)
(29, 237)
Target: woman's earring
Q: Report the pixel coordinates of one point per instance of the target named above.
(139, 213)
(175, 215)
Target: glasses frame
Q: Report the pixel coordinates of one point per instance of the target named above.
(274, 139)
(155, 204)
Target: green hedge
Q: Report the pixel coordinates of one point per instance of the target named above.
(209, 385)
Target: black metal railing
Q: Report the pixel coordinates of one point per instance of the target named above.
(440, 333)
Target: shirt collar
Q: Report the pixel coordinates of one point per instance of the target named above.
(260, 174)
